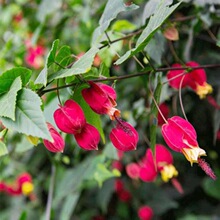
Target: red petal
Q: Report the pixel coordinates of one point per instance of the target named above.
(148, 173)
(89, 138)
(70, 117)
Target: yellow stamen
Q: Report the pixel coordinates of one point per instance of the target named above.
(27, 188)
(193, 152)
(168, 172)
(203, 90)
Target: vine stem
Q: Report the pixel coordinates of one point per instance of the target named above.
(180, 98)
(50, 194)
(135, 75)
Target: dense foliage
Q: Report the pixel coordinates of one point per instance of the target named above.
(109, 109)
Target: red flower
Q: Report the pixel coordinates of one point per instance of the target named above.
(195, 79)
(124, 137)
(34, 56)
(21, 186)
(88, 138)
(181, 136)
(70, 118)
(145, 212)
(162, 163)
(133, 170)
(58, 144)
(102, 99)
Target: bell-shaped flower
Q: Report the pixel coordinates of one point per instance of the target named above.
(25, 183)
(145, 213)
(58, 144)
(162, 162)
(133, 170)
(181, 136)
(195, 79)
(88, 138)
(124, 137)
(70, 117)
(102, 99)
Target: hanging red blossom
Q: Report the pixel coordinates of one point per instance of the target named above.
(58, 144)
(181, 136)
(70, 117)
(124, 137)
(88, 138)
(195, 79)
(102, 99)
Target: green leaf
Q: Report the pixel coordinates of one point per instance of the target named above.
(64, 56)
(102, 174)
(69, 206)
(81, 66)
(29, 117)
(8, 77)
(52, 54)
(3, 149)
(110, 152)
(8, 100)
(42, 77)
(46, 8)
(112, 9)
(123, 25)
(161, 14)
(212, 188)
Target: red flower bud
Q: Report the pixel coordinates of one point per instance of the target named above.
(124, 137)
(145, 212)
(102, 99)
(89, 138)
(58, 144)
(70, 117)
(133, 170)
(195, 79)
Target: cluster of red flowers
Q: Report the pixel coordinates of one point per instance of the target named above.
(70, 119)
(22, 185)
(34, 55)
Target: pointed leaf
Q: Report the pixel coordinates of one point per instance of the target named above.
(161, 14)
(3, 149)
(42, 77)
(112, 9)
(8, 100)
(8, 77)
(64, 56)
(29, 117)
(83, 65)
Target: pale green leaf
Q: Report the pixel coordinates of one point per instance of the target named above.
(81, 66)
(3, 149)
(29, 117)
(46, 8)
(42, 77)
(123, 25)
(8, 100)
(161, 14)
(8, 77)
(69, 205)
(112, 9)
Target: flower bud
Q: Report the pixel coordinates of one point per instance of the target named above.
(124, 137)
(89, 137)
(70, 117)
(58, 144)
(102, 99)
